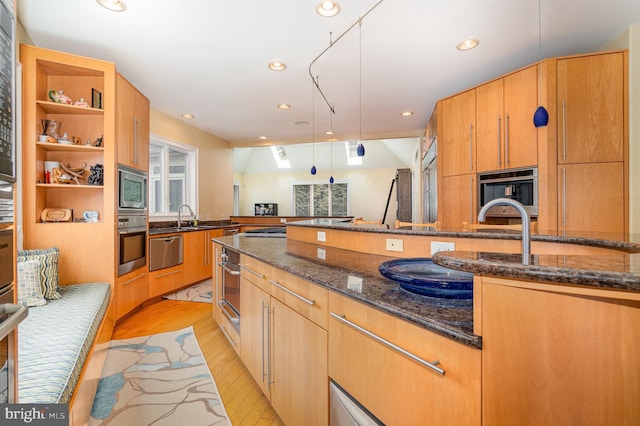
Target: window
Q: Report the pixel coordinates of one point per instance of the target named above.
(321, 199)
(172, 176)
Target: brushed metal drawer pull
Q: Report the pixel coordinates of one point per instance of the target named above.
(226, 267)
(431, 365)
(293, 293)
(246, 268)
(133, 279)
(169, 273)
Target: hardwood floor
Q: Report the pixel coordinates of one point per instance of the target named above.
(243, 400)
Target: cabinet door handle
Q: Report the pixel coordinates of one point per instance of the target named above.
(564, 129)
(506, 141)
(293, 293)
(432, 365)
(564, 197)
(264, 370)
(134, 279)
(224, 265)
(135, 141)
(470, 199)
(257, 274)
(471, 146)
(169, 273)
(499, 137)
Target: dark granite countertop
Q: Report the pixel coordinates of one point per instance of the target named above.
(159, 228)
(356, 275)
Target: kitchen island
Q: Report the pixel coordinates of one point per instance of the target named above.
(559, 337)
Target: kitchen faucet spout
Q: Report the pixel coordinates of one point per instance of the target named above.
(526, 226)
(180, 210)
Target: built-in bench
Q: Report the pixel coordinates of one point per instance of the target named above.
(57, 341)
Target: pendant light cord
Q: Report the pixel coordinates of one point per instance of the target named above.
(360, 77)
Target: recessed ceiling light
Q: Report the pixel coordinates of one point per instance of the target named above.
(328, 8)
(262, 137)
(468, 44)
(284, 106)
(330, 132)
(277, 66)
(187, 115)
(301, 123)
(114, 5)
(407, 113)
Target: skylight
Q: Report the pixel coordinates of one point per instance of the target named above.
(352, 153)
(280, 155)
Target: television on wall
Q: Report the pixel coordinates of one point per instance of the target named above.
(266, 209)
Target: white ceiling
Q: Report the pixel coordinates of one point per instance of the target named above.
(209, 58)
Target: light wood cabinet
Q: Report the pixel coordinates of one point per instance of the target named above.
(166, 280)
(506, 136)
(458, 200)
(591, 106)
(45, 70)
(131, 290)
(198, 255)
(555, 357)
(456, 131)
(285, 352)
(591, 197)
(132, 125)
(396, 388)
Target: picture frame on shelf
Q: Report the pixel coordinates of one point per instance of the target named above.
(96, 99)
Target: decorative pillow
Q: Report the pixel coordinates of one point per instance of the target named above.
(29, 289)
(48, 259)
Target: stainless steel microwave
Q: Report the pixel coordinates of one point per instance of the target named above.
(517, 184)
(132, 190)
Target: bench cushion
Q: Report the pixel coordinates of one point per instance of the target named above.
(54, 342)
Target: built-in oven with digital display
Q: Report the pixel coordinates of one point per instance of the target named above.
(517, 184)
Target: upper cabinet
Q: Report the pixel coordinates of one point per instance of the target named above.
(132, 126)
(591, 108)
(506, 136)
(456, 131)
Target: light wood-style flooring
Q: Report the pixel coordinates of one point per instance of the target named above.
(243, 400)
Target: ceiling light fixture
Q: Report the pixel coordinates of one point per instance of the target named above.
(186, 115)
(313, 130)
(301, 123)
(284, 106)
(113, 5)
(277, 66)
(360, 148)
(328, 8)
(541, 115)
(407, 114)
(329, 132)
(468, 44)
(262, 137)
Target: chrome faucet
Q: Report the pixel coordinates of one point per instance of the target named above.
(526, 231)
(180, 210)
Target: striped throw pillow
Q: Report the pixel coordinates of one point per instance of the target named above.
(48, 259)
(29, 289)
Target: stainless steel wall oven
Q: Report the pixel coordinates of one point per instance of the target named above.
(230, 297)
(132, 243)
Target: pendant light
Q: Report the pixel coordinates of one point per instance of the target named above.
(360, 149)
(541, 116)
(331, 177)
(313, 130)
(331, 141)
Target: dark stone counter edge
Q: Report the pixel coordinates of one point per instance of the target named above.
(204, 227)
(562, 239)
(468, 262)
(466, 339)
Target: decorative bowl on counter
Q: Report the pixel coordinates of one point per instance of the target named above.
(421, 276)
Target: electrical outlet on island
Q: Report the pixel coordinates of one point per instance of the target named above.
(437, 246)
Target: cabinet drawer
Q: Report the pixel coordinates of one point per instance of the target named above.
(308, 299)
(166, 280)
(259, 273)
(395, 386)
(131, 291)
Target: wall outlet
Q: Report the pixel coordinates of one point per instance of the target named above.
(225, 217)
(395, 245)
(283, 220)
(437, 246)
(322, 236)
(322, 254)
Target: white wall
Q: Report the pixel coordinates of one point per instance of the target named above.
(369, 191)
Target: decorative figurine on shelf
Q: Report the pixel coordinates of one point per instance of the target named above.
(65, 140)
(76, 140)
(59, 97)
(97, 175)
(74, 173)
(53, 127)
(98, 141)
(81, 103)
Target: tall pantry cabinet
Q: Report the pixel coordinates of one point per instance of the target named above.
(87, 249)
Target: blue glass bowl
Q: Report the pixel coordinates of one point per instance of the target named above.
(420, 275)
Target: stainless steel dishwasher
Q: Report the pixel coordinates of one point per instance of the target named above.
(165, 252)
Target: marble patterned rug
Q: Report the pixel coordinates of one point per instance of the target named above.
(162, 379)
(201, 292)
